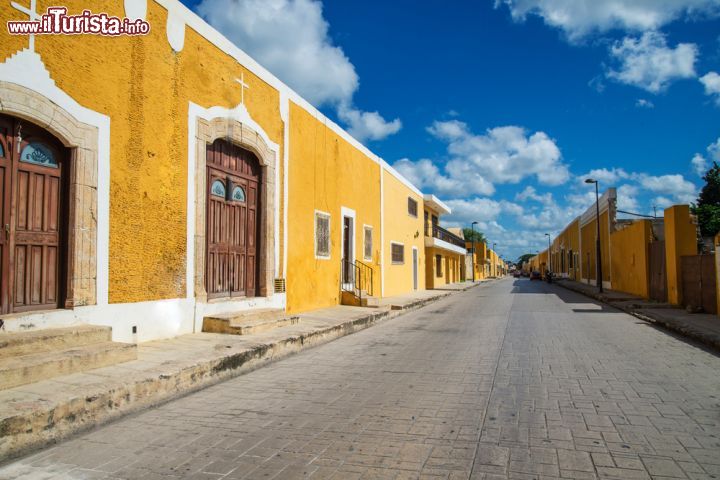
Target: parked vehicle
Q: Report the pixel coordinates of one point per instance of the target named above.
(517, 274)
(535, 275)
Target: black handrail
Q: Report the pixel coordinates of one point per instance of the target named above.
(356, 277)
(442, 234)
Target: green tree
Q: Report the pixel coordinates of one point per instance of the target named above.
(476, 236)
(708, 203)
(524, 258)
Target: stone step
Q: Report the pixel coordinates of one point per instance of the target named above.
(349, 298)
(24, 369)
(372, 302)
(36, 341)
(248, 322)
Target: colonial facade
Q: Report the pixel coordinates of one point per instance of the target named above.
(150, 181)
(444, 251)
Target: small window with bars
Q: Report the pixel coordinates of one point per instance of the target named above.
(412, 207)
(368, 243)
(398, 253)
(322, 235)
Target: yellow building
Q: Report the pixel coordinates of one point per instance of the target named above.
(185, 180)
(626, 246)
(403, 245)
(444, 251)
(477, 251)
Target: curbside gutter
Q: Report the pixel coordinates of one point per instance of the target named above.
(24, 431)
(707, 339)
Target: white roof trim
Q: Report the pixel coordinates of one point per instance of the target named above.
(192, 20)
(608, 197)
(433, 202)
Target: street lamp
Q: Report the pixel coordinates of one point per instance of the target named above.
(472, 263)
(597, 243)
(549, 254)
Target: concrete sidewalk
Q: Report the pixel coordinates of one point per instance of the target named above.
(701, 327)
(36, 414)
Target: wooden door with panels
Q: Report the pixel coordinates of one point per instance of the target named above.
(33, 217)
(232, 221)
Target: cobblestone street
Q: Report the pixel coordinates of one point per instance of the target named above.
(511, 379)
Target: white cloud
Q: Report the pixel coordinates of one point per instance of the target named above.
(290, 38)
(643, 103)
(480, 209)
(606, 177)
(367, 125)
(711, 82)
(714, 150)
(699, 165)
(424, 174)
(674, 186)
(661, 203)
(478, 162)
(647, 62)
(627, 198)
(578, 18)
(529, 193)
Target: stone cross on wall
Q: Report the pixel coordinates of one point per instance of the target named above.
(32, 13)
(243, 86)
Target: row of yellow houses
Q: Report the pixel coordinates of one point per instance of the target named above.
(486, 262)
(642, 257)
(153, 180)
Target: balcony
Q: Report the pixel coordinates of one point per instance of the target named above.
(438, 237)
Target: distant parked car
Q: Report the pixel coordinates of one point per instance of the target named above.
(535, 275)
(517, 274)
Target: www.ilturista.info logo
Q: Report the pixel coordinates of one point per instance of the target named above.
(57, 22)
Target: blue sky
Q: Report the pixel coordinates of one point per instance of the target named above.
(502, 108)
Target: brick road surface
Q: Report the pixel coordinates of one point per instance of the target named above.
(514, 379)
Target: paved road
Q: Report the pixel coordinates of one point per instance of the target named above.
(514, 379)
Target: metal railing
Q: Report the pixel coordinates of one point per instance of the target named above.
(442, 234)
(357, 278)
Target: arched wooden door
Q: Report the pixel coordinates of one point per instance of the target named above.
(233, 206)
(33, 217)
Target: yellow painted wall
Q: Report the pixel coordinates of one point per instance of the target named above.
(478, 259)
(563, 245)
(680, 239)
(630, 264)
(450, 267)
(401, 227)
(144, 87)
(588, 234)
(326, 173)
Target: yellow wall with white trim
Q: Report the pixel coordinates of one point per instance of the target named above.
(326, 173)
(403, 228)
(144, 87)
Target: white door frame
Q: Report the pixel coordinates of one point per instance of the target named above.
(415, 267)
(347, 213)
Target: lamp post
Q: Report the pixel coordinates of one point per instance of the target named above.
(549, 269)
(598, 253)
(472, 263)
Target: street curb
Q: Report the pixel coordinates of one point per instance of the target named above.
(29, 430)
(684, 330)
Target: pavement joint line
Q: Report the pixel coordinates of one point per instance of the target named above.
(83, 416)
(492, 388)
